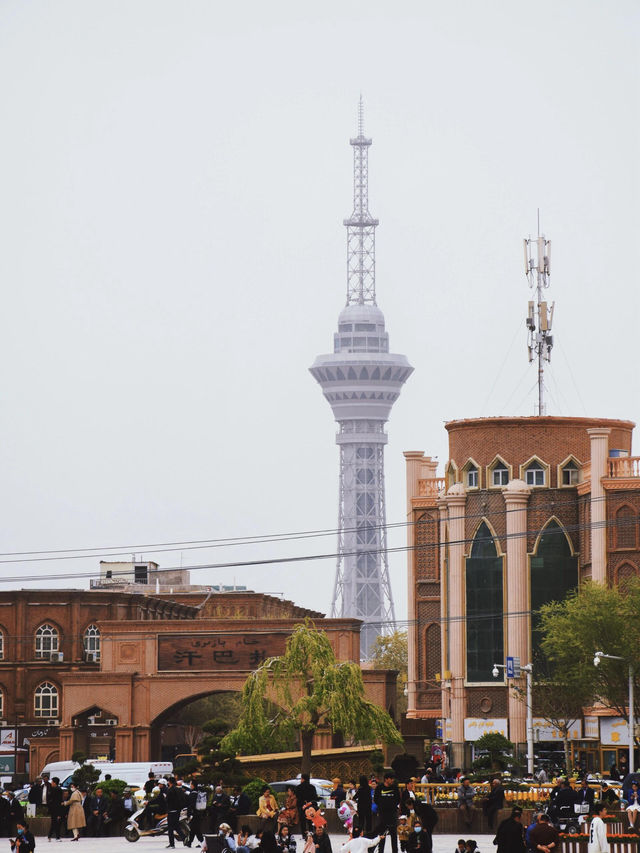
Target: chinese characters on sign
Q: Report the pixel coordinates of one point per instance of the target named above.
(217, 651)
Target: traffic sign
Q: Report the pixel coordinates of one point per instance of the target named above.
(513, 667)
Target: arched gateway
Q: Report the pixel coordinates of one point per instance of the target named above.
(148, 667)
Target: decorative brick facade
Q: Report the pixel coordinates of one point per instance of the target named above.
(574, 478)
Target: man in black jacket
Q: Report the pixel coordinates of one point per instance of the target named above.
(387, 798)
(54, 805)
(100, 805)
(175, 802)
(239, 804)
(16, 812)
(494, 802)
(585, 795)
(510, 835)
(305, 793)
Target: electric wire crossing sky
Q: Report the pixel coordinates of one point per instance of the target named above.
(361, 381)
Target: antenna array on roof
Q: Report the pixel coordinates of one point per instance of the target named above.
(537, 268)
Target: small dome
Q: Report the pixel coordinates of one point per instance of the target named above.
(517, 487)
(457, 489)
(362, 314)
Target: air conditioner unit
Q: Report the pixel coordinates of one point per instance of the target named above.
(3, 722)
(91, 657)
(110, 722)
(53, 722)
(56, 657)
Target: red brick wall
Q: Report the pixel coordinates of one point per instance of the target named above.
(516, 440)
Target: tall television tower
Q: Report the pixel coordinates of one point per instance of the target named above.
(361, 380)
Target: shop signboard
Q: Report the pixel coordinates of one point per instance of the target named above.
(614, 731)
(591, 728)
(475, 727)
(543, 730)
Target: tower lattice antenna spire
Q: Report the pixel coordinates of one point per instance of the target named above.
(537, 268)
(361, 226)
(361, 380)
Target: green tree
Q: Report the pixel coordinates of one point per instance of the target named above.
(86, 774)
(592, 618)
(595, 618)
(390, 651)
(498, 748)
(311, 690)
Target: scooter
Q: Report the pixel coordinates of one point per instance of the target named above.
(133, 830)
(568, 818)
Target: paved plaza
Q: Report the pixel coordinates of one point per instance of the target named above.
(441, 844)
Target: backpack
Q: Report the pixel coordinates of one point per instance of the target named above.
(201, 801)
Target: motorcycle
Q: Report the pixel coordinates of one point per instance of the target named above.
(133, 830)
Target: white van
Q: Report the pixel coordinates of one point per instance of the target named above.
(133, 773)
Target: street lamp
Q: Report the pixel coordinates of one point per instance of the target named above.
(596, 662)
(528, 668)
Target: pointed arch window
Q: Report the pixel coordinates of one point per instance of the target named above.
(484, 592)
(471, 476)
(570, 474)
(500, 475)
(534, 474)
(554, 573)
(626, 528)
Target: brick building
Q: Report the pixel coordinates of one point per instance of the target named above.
(101, 671)
(526, 509)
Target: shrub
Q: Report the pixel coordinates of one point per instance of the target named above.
(253, 790)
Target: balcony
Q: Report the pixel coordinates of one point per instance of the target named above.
(431, 488)
(624, 468)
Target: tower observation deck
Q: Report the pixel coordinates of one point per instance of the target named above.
(361, 380)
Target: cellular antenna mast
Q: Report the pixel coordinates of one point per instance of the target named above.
(361, 380)
(361, 226)
(537, 268)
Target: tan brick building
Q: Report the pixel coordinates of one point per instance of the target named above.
(101, 671)
(526, 508)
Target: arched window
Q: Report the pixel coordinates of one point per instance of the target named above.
(626, 527)
(472, 477)
(47, 641)
(500, 475)
(45, 700)
(485, 636)
(1, 647)
(534, 474)
(1, 702)
(554, 573)
(570, 474)
(91, 641)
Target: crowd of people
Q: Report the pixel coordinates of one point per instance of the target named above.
(371, 810)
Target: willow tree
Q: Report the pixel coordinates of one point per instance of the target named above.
(311, 690)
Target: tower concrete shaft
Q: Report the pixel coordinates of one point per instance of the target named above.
(361, 380)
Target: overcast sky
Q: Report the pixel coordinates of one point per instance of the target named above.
(173, 179)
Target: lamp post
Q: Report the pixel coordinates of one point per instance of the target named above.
(596, 662)
(528, 668)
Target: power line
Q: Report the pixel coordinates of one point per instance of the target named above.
(48, 555)
(325, 556)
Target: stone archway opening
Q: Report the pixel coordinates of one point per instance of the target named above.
(178, 731)
(94, 734)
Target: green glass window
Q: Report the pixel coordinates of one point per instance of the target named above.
(485, 637)
(554, 573)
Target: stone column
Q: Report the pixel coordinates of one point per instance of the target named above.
(414, 459)
(599, 454)
(516, 496)
(456, 501)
